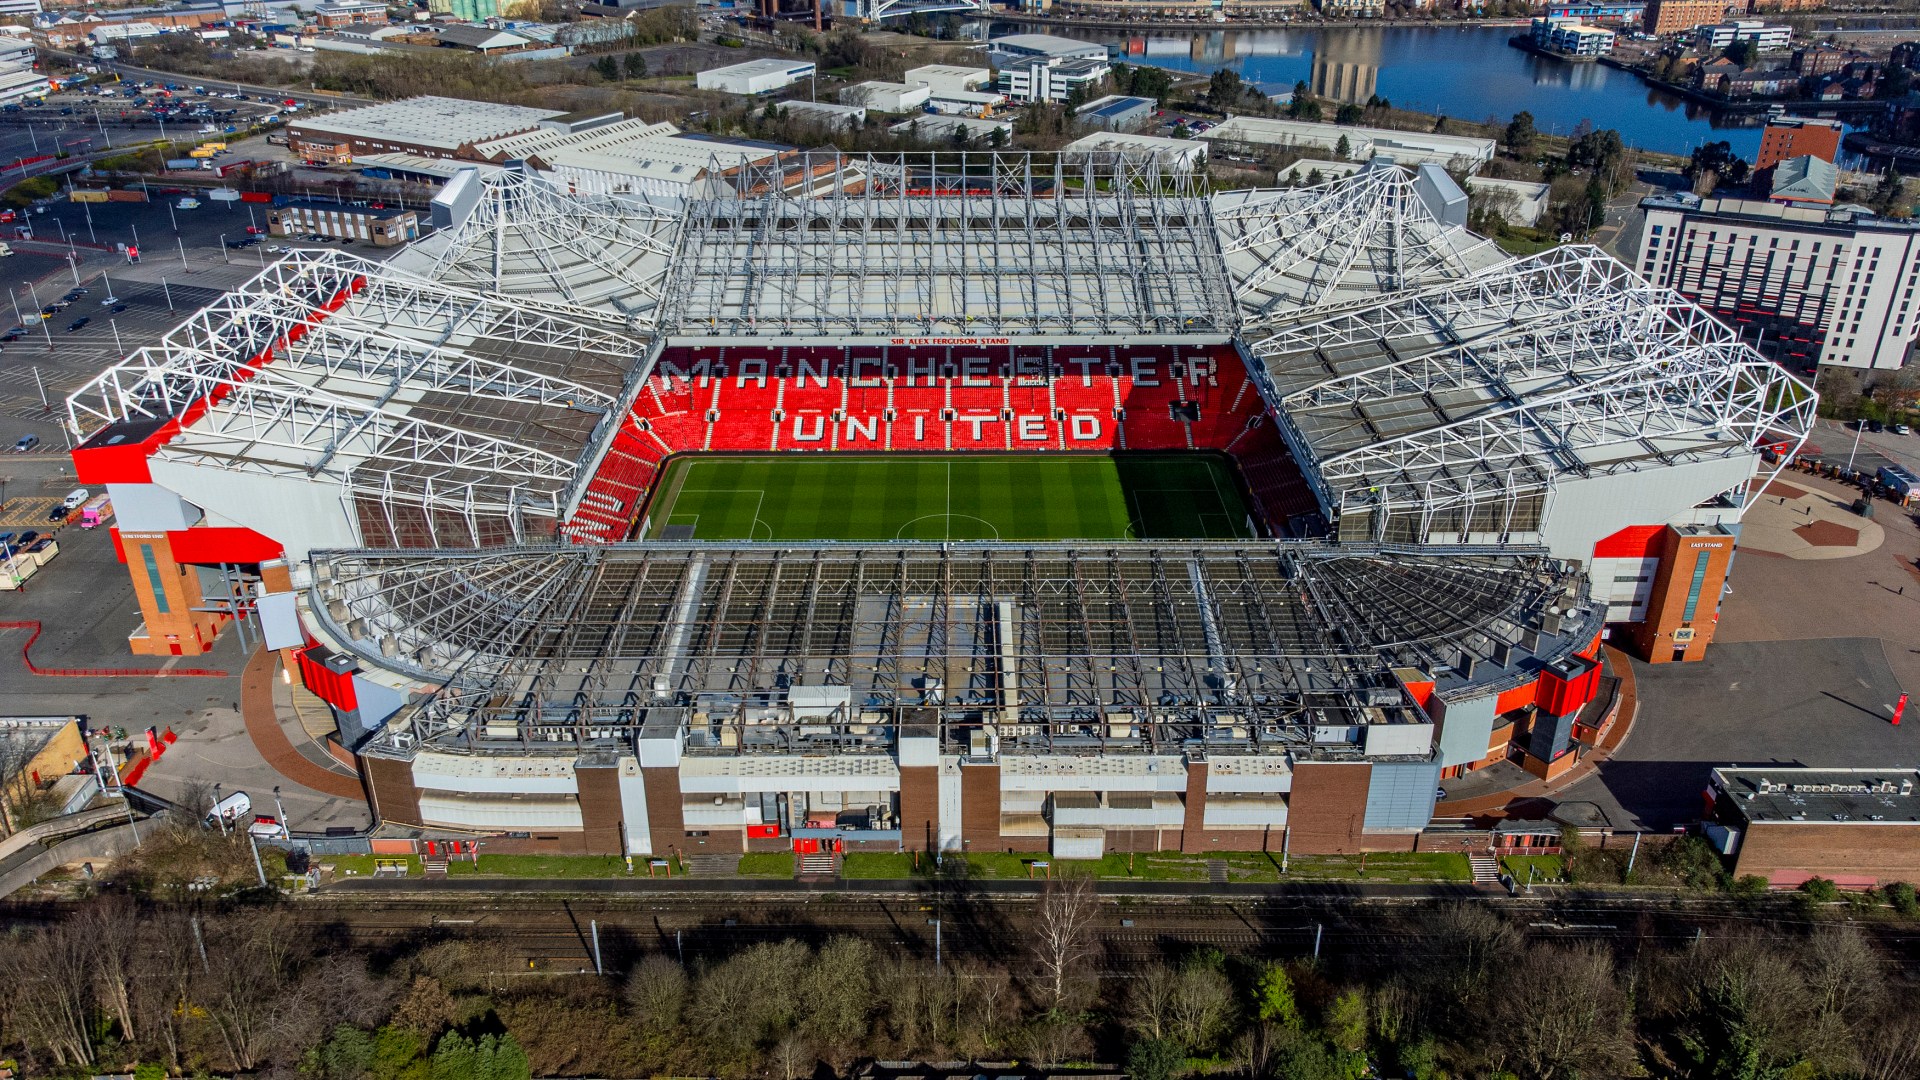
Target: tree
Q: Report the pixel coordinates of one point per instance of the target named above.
(1565, 1015)
(1224, 89)
(1349, 114)
(608, 68)
(1342, 149)
(455, 1057)
(1743, 53)
(1717, 160)
(1520, 134)
(1201, 1005)
(636, 66)
(1273, 998)
(1155, 1059)
(1902, 896)
(1063, 936)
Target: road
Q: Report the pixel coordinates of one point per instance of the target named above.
(313, 98)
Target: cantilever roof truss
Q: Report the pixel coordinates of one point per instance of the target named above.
(953, 244)
(1068, 643)
(1492, 386)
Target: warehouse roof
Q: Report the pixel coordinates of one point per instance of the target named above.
(439, 122)
(1047, 45)
(1781, 794)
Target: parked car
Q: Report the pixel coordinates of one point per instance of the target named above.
(78, 323)
(1900, 429)
(26, 443)
(116, 309)
(57, 514)
(1876, 427)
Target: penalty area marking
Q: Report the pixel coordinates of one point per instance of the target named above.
(899, 533)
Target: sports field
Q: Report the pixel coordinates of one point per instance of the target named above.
(949, 497)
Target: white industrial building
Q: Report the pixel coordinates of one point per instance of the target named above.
(1041, 67)
(1832, 286)
(949, 77)
(15, 85)
(1404, 147)
(1179, 154)
(1528, 201)
(939, 128)
(626, 156)
(886, 97)
(754, 77)
(965, 102)
(826, 112)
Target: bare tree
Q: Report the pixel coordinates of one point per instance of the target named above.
(110, 929)
(1566, 1015)
(51, 992)
(1150, 1000)
(1890, 1047)
(1063, 936)
(792, 1058)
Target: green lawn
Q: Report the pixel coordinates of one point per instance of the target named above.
(550, 866)
(941, 497)
(777, 864)
(1545, 867)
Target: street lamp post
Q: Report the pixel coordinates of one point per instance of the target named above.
(225, 251)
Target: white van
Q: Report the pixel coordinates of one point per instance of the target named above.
(76, 498)
(233, 810)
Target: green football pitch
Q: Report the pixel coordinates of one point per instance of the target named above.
(967, 497)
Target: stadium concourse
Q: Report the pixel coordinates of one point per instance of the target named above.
(1444, 476)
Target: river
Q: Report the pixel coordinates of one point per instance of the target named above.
(1471, 73)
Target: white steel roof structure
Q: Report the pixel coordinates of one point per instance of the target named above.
(466, 390)
(442, 415)
(1423, 405)
(523, 238)
(956, 244)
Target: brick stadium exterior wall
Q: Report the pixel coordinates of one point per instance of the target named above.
(1787, 853)
(1196, 807)
(665, 825)
(980, 806)
(395, 798)
(1328, 807)
(919, 807)
(600, 812)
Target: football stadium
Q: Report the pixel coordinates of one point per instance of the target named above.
(986, 501)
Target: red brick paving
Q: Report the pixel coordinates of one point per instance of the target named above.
(1784, 490)
(1828, 534)
(263, 727)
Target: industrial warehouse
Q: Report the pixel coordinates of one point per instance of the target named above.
(462, 492)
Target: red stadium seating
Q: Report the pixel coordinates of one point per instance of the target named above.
(772, 397)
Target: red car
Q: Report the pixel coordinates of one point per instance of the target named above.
(6, 217)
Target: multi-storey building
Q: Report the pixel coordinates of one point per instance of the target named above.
(1796, 136)
(1674, 16)
(1767, 37)
(1815, 285)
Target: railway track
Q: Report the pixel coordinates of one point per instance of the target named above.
(559, 937)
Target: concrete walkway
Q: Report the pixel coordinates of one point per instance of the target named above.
(270, 739)
(1802, 521)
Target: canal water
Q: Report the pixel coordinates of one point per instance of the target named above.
(1470, 74)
